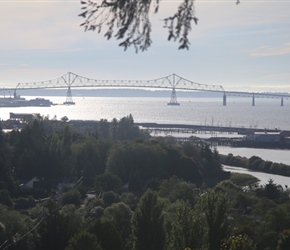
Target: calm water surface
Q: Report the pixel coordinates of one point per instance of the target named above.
(198, 111)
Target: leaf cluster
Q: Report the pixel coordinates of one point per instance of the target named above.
(130, 19)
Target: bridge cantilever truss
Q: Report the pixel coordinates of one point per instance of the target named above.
(70, 80)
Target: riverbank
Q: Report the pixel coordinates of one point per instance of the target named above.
(265, 164)
(263, 177)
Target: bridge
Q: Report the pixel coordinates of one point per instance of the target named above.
(172, 82)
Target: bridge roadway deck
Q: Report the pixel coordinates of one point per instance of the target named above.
(195, 129)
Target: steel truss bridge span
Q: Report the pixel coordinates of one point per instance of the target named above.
(173, 82)
(70, 80)
(73, 80)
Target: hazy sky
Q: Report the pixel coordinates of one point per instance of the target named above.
(242, 47)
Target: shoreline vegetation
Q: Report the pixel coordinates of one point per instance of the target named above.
(256, 163)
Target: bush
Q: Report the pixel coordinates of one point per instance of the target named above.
(84, 241)
(109, 198)
(73, 196)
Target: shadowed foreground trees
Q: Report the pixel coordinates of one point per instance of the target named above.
(58, 226)
(204, 226)
(144, 194)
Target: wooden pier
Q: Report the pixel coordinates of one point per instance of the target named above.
(198, 129)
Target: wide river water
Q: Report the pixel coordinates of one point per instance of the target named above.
(198, 111)
(239, 112)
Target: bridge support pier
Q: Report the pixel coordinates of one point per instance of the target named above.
(173, 99)
(282, 101)
(224, 99)
(69, 100)
(253, 100)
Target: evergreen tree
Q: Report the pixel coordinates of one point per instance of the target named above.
(104, 129)
(114, 129)
(147, 223)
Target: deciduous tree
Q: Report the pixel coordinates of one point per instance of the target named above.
(213, 207)
(182, 234)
